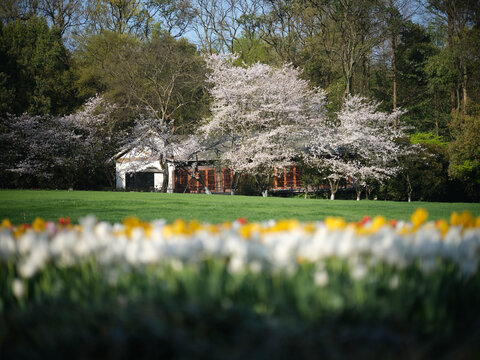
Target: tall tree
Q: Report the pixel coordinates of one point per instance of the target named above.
(12, 10)
(94, 56)
(279, 25)
(414, 52)
(465, 153)
(459, 16)
(64, 14)
(35, 69)
(173, 16)
(119, 16)
(164, 75)
(348, 29)
(219, 23)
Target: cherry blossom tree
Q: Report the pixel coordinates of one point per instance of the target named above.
(263, 114)
(360, 145)
(60, 151)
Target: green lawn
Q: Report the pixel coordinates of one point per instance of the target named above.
(24, 205)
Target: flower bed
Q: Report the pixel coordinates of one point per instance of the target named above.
(192, 285)
(254, 246)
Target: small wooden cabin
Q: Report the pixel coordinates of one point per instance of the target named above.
(220, 180)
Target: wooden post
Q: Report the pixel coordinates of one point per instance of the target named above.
(294, 170)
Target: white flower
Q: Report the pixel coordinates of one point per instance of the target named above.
(255, 266)
(26, 242)
(18, 288)
(176, 264)
(88, 222)
(394, 282)
(358, 271)
(236, 264)
(7, 244)
(320, 278)
(27, 269)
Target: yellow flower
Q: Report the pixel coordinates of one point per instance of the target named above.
(361, 230)
(194, 225)
(5, 224)
(179, 227)
(442, 226)
(404, 230)
(19, 231)
(214, 229)
(477, 222)
(419, 217)
(335, 223)
(464, 219)
(167, 231)
(377, 223)
(39, 224)
(284, 225)
(248, 229)
(245, 231)
(309, 227)
(227, 225)
(467, 219)
(455, 219)
(132, 222)
(147, 228)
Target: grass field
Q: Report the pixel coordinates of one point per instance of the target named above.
(25, 205)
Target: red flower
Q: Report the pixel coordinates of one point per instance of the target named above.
(242, 221)
(64, 221)
(365, 220)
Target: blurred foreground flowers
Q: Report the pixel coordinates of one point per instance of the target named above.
(273, 289)
(269, 245)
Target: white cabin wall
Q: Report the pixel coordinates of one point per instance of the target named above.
(120, 182)
(157, 181)
(124, 166)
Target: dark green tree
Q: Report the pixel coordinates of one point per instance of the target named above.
(464, 153)
(35, 75)
(414, 51)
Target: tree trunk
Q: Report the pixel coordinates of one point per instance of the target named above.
(235, 181)
(265, 193)
(368, 191)
(395, 80)
(409, 188)
(348, 84)
(358, 190)
(458, 100)
(333, 187)
(464, 86)
(166, 175)
(452, 100)
(394, 62)
(451, 42)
